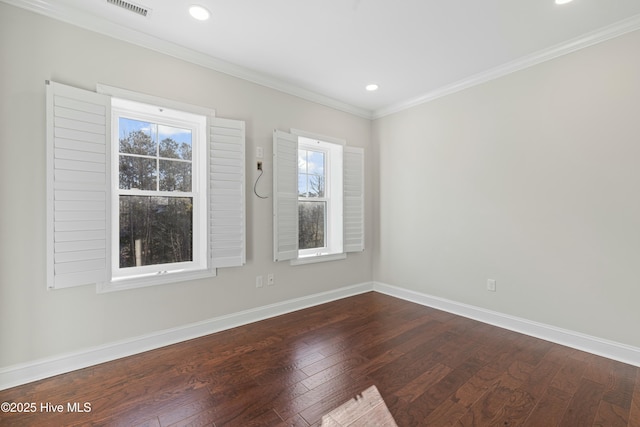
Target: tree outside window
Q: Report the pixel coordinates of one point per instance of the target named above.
(312, 202)
(155, 202)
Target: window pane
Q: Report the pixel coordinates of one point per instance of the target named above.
(316, 186)
(137, 173)
(175, 143)
(311, 224)
(155, 230)
(302, 185)
(137, 137)
(175, 175)
(302, 161)
(315, 163)
(311, 182)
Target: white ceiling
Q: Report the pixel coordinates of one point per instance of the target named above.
(328, 50)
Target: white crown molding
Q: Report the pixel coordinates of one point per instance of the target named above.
(64, 13)
(16, 375)
(589, 39)
(61, 12)
(601, 347)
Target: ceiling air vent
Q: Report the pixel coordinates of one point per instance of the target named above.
(131, 7)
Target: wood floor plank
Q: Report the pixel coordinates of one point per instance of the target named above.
(449, 412)
(295, 421)
(634, 411)
(444, 389)
(431, 368)
(541, 377)
(549, 409)
(620, 391)
(403, 338)
(201, 419)
(177, 411)
(338, 367)
(610, 415)
(568, 377)
(504, 403)
(153, 422)
(417, 386)
(584, 404)
(334, 399)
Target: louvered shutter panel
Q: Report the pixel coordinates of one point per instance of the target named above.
(78, 185)
(285, 196)
(353, 183)
(226, 193)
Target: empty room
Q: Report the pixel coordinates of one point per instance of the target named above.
(320, 213)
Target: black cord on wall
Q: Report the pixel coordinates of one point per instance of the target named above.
(258, 179)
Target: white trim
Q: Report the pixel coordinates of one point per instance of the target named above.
(601, 347)
(16, 375)
(154, 101)
(600, 35)
(318, 258)
(318, 137)
(156, 279)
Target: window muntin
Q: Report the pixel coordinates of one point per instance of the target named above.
(159, 206)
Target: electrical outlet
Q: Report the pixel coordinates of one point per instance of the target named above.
(259, 152)
(270, 281)
(259, 165)
(491, 285)
(258, 281)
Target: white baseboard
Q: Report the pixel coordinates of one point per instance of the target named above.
(601, 347)
(33, 371)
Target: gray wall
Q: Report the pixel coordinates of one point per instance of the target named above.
(532, 179)
(36, 323)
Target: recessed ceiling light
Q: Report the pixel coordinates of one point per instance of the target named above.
(199, 13)
(563, 1)
(372, 87)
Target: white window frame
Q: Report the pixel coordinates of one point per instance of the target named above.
(160, 114)
(332, 197)
(285, 198)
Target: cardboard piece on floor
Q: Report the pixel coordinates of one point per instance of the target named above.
(367, 409)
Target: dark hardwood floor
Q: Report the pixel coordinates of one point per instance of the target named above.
(432, 369)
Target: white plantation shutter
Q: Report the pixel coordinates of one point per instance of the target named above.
(353, 184)
(285, 196)
(78, 141)
(226, 193)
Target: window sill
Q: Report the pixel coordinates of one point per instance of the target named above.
(125, 283)
(318, 258)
